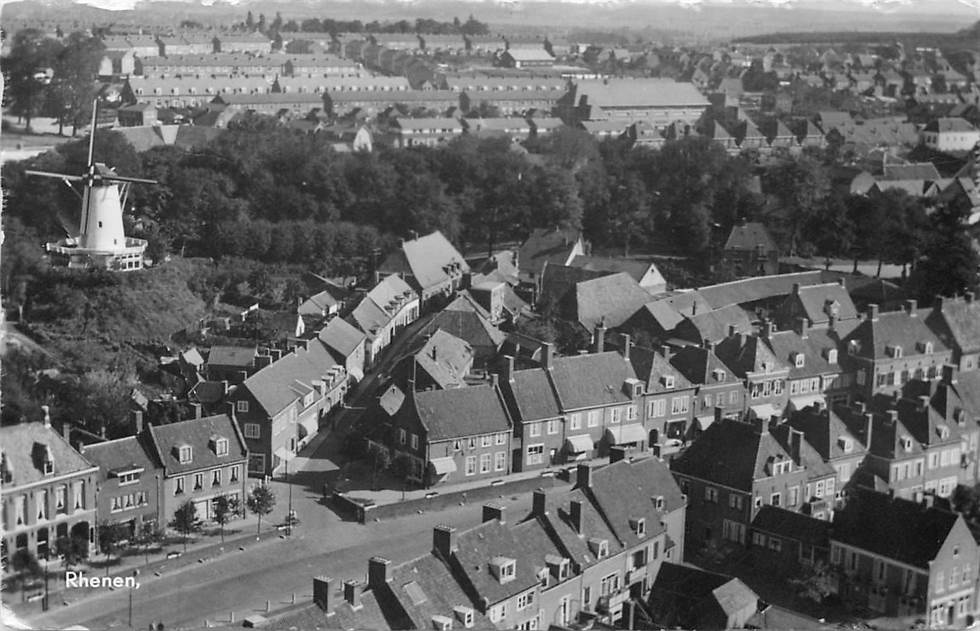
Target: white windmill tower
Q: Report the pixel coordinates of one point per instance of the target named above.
(101, 241)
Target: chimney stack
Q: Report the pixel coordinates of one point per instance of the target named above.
(949, 374)
(795, 444)
(768, 328)
(869, 423)
(796, 289)
(379, 572)
(627, 343)
(665, 351)
(575, 515)
(599, 338)
(444, 541)
(137, 417)
(508, 371)
(494, 380)
(493, 511)
(322, 592)
(910, 307)
(46, 410)
(66, 432)
(939, 303)
(583, 476)
(873, 312)
(617, 453)
(803, 326)
(969, 295)
(352, 593)
(547, 354)
(539, 503)
(923, 402)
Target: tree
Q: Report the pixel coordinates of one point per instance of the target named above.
(949, 263)
(148, 535)
(276, 25)
(814, 582)
(32, 55)
(250, 21)
(73, 550)
(401, 468)
(72, 88)
(261, 500)
(381, 460)
(225, 508)
(186, 520)
(110, 534)
(25, 564)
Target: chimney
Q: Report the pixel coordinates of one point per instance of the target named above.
(444, 541)
(242, 376)
(137, 417)
(892, 416)
(196, 408)
(378, 572)
(322, 591)
(508, 370)
(949, 374)
(869, 423)
(732, 330)
(352, 593)
(707, 345)
(627, 343)
(694, 307)
(46, 410)
(547, 354)
(575, 515)
(873, 312)
(231, 410)
(768, 328)
(539, 502)
(802, 326)
(840, 281)
(929, 500)
(938, 304)
(583, 476)
(493, 511)
(261, 361)
(599, 338)
(795, 442)
(910, 307)
(494, 380)
(923, 402)
(617, 453)
(66, 432)
(969, 295)
(665, 351)
(796, 289)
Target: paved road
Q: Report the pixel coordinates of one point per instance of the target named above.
(242, 582)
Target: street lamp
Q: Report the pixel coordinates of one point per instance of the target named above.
(44, 602)
(286, 455)
(135, 574)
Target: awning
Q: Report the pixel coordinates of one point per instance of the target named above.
(805, 401)
(442, 466)
(704, 422)
(764, 411)
(578, 444)
(626, 434)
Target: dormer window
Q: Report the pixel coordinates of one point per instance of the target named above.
(718, 374)
(442, 623)
(799, 359)
(924, 347)
(894, 351)
(845, 444)
(599, 547)
(831, 355)
(185, 454)
(658, 501)
(639, 526)
(906, 443)
(464, 615)
(504, 569)
(943, 432)
(853, 347)
(219, 445)
(667, 381)
(6, 468)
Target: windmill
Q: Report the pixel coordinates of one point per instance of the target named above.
(101, 241)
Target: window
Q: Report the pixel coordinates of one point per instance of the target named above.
(402, 436)
(241, 406)
(61, 500)
(221, 447)
(552, 427)
(470, 465)
(735, 501)
(631, 413)
(485, 463)
(198, 481)
(233, 476)
(501, 439)
(471, 444)
(710, 494)
(657, 408)
(535, 454)
(216, 477)
(525, 600)
(679, 405)
(534, 429)
(486, 441)
(185, 453)
(500, 461)
(775, 499)
(587, 595)
(940, 582)
(251, 430)
(707, 402)
(609, 585)
(794, 496)
(414, 440)
(575, 421)
(775, 544)
(178, 485)
(593, 419)
(799, 359)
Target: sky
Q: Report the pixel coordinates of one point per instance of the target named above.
(966, 7)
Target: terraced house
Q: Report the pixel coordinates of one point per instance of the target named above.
(279, 408)
(389, 307)
(668, 425)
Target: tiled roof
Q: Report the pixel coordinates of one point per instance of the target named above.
(429, 257)
(530, 54)
(558, 281)
(554, 246)
(793, 525)
(481, 544)
(958, 324)
(693, 584)
(808, 456)
(466, 321)
(284, 381)
(697, 364)
(422, 588)
(756, 288)
(818, 301)
(446, 358)
(197, 433)
(591, 380)
(123, 453)
(730, 452)
(948, 125)
(341, 337)
(23, 447)
(714, 325)
(636, 269)
(897, 529)
(614, 93)
(826, 431)
(748, 236)
(650, 365)
(610, 300)
(745, 354)
(460, 412)
(915, 171)
(894, 328)
(381, 304)
(786, 345)
(530, 395)
(574, 545)
(232, 356)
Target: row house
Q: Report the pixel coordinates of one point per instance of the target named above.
(279, 408)
(509, 102)
(515, 129)
(235, 363)
(116, 63)
(242, 42)
(49, 490)
(749, 358)
(457, 434)
(789, 541)
(659, 101)
(735, 468)
(186, 44)
(320, 66)
(139, 45)
(210, 65)
(481, 83)
(345, 342)
(341, 102)
(430, 264)
(902, 558)
(818, 372)
(201, 459)
(832, 439)
(453, 44)
(718, 392)
(271, 104)
(891, 348)
(425, 132)
(389, 307)
(366, 84)
(190, 92)
(667, 410)
(957, 322)
(823, 305)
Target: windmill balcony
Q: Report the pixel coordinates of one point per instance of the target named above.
(132, 247)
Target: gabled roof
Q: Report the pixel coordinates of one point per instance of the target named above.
(127, 453)
(341, 337)
(591, 380)
(894, 528)
(820, 301)
(914, 171)
(574, 545)
(197, 433)
(713, 326)
(282, 382)
(446, 358)
(700, 588)
(698, 364)
(639, 93)
(609, 300)
(749, 236)
(553, 246)
(461, 412)
(476, 548)
(757, 288)
(731, 453)
(650, 365)
(746, 355)
(637, 270)
(786, 345)
(957, 322)
(425, 587)
(381, 304)
(23, 444)
(894, 328)
(948, 125)
(468, 321)
(793, 525)
(558, 281)
(241, 356)
(428, 259)
(530, 396)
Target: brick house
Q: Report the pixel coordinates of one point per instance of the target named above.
(280, 407)
(49, 490)
(669, 425)
(538, 421)
(690, 598)
(715, 385)
(748, 357)
(751, 250)
(430, 264)
(786, 540)
(822, 305)
(818, 371)
(346, 343)
(888, 349)
(903, 558)
(389, 307)
(829, 435)
(202, 459)
(957, 323)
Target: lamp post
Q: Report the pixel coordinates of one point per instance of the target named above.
(44, 602)
(135, 574)
(286, 455)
